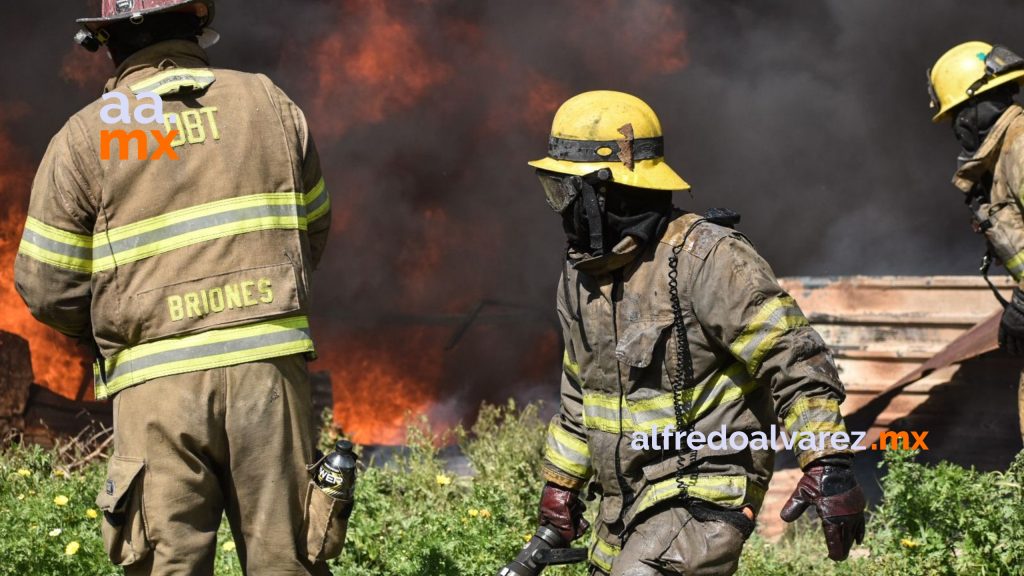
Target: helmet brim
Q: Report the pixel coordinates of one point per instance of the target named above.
(95, 24)
(653, 174)
(943, 114)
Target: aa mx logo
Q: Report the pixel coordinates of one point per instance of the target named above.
(150, 110)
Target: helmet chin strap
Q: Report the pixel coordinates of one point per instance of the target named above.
(592, 206)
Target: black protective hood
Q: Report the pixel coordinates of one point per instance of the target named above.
(624, 211)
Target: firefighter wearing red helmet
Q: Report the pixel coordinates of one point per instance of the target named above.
(174, 225)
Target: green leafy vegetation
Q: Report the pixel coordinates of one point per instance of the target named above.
(415, 517)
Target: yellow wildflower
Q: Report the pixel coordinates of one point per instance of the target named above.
(485, 513)
(58, 473)
(228, 546)
(61, 500)
(442, 480)
(72, 548)
(908, 543)
(527, 537)
(24, 472)
(91, 513)
(474, 512)
(21, 496)
(55, 532)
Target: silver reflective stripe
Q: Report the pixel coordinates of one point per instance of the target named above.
(197, 224)
(56, 247)
(214, 349)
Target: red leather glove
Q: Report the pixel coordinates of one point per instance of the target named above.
(562, 510)
(834, 491)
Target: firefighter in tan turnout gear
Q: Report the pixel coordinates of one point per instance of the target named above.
(186, 258)
(672, 321)
(973, 87)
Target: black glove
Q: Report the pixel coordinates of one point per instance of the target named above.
(1011, 327)
(562, 510)
(831, 488)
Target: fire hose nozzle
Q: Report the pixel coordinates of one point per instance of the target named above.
(545, 548)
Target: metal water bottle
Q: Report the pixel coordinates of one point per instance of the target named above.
(337, 473)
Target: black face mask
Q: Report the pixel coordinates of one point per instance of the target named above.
(624, 211)
(973, 121)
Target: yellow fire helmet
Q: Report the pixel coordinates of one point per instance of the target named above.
(613, 130)
(967, 70)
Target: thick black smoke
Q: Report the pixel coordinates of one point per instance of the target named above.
(809, 118)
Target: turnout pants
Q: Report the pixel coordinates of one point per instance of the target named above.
(672, 542)
(191, 447)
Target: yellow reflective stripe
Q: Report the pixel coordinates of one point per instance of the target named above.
(601, 411)
(53, 259)
(196, 224)
(320, 210)
(816, 416)
(807, 411)
(318, 201)
(208, 209)
(1015, 266)
(210, 233)
(603, 554)
(776, 317)
(56, 234)
(722, 490)
(571, 368)
(727, 386)
(316, 191)
(212, 349)
(170, 81)
(820, 427)
(55, 247)
(567, 452)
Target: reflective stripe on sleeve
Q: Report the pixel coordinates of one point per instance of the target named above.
(56, 247)
(777, 316)
(571, 369)
(602, 411)
(317, 201)
(211, 349)
(814, 415)
(817, 416)
(1015, 266)
(567, 452)
(603, 554)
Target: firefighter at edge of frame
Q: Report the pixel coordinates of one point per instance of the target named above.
(212, 409)
(673, 318)
(972, 86)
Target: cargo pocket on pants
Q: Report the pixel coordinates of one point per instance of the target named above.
(326, 523)
(120, 499)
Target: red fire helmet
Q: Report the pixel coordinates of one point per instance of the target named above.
(117, 10)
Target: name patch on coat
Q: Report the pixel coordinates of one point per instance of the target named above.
(215, 300)
(235, 297)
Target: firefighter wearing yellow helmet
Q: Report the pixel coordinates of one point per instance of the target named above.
(184, 261)
(972, 86)
(675, 329)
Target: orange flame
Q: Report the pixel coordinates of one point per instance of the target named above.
(374, 66)
(379, 381)
(55, 362)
